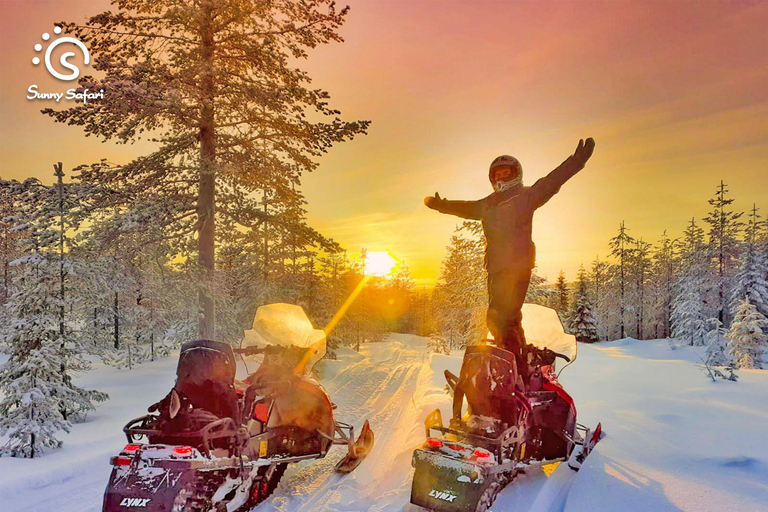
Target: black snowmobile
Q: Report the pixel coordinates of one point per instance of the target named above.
(509, 425)
(217, 444)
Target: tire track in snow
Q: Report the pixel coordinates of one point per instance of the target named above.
(380, 391)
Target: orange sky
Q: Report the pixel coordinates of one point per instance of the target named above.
(675, 93)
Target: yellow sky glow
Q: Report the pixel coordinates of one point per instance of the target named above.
(675, 94)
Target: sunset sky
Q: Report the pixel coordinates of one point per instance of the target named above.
(675, 94)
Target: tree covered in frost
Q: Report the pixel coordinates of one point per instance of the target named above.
(688, 314)
(561, 296)
(460, 295)
(641, 267)
(748, 336)
(663, 268)
(39, 397)
(621, 249)
(599, 277)
(582, 322)
(215, 85)
(716, 341)
(538, 292)
(723, 246)
(751, 279)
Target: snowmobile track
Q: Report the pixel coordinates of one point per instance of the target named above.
(380, 390)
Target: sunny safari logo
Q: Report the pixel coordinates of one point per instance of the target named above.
(71, 94)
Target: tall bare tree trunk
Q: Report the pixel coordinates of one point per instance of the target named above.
(207, 184)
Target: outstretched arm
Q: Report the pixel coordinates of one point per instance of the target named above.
(464, 209)
(549, 185)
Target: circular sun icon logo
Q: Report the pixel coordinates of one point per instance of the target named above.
(75, 71)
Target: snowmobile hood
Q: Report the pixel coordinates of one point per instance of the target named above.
(286, 325)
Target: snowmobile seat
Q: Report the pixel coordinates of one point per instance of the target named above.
(205, 376)
(489, 380)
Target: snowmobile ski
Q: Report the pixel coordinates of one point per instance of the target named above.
(358, 450)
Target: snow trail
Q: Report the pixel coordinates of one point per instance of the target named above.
(675, 440)
(380, 388)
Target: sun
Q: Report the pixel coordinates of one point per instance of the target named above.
(379, 263)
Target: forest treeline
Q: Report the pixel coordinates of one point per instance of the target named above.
(705, 287)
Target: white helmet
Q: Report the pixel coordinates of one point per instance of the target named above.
(515, 178)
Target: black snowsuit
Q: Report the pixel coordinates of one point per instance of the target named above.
(510, 253)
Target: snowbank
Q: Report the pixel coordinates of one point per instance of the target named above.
(675, 440)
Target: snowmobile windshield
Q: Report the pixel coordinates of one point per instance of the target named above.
(286, 325)
(543, 329)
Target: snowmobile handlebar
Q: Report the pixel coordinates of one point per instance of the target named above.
(545, 356)
(250, 351)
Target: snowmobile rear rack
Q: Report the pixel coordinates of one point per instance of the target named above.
(219, 429)
(494, 444)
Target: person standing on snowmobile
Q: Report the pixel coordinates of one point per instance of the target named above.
(510, 255)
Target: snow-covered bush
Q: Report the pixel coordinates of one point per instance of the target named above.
(748, 336)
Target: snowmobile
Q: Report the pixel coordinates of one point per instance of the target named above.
(509, 425)
(218, 444)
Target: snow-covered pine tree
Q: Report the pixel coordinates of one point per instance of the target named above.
(723, 245)
(599, 278)
(460, 295)
(538, 291)
(38, 395)
(748, 336)
(237, 114)
(582, 322)
(9, 240)
(31, 382)
(396, 307)
(561, 297)
(640, 266)
(716, 341)
(663, 267)
(621, 249)
(688, 315)
(751, 279)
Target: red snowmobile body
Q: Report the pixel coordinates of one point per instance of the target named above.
(214, 442)
(508, 426)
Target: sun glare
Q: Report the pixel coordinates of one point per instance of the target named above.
(379, 263)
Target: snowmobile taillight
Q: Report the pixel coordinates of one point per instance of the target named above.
(455, 447)
(131, 448)
(182, 450)
(261, 412)
(434, 443)
(481, 454)
(120, 461)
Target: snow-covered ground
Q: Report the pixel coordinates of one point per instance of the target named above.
(675, 440)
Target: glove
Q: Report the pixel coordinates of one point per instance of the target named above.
(584, 151)
(431, 201)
